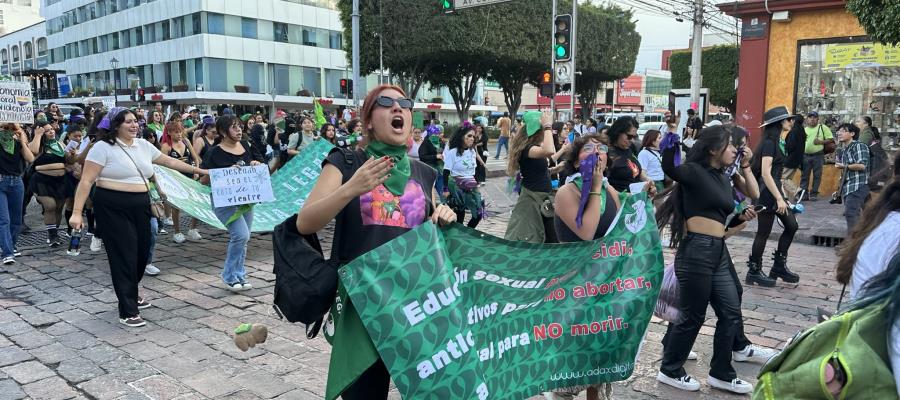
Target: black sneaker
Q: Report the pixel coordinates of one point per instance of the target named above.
(54, 242)
(142, 304)
(133, 322)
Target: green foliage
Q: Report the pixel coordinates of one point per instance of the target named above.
(879, 18)
(507, 42)
(719, 70)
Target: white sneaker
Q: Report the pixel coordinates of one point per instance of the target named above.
(168, 221)
(234, 287)
(96, 243)
(686, 382)
(9, 260)
(179, 238)
(692, 355)
(735, 386)
(246, 285)
(151, 270)
(753, 353)
(194, 235)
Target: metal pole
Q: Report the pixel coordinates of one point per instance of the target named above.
(552, 61)
(697, 55)
(380, 60)
(574, 58)
(355, 26)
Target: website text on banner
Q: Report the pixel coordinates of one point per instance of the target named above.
(290, 187)
(240, 185)
(16, 102)
(455, 313)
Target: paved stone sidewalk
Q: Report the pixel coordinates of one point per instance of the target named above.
(60, 338)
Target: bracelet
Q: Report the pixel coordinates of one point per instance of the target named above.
(745, 166)
(598, 194)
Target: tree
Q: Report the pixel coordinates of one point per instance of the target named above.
(719, 70)
(607, 50)
(879, 18)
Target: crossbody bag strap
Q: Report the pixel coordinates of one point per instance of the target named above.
(136, 167)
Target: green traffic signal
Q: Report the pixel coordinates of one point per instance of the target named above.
(445, 4)
(560, 51)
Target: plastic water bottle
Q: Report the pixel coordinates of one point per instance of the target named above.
(74, 243)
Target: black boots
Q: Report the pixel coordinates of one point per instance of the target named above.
(755, 275)
(780, 269)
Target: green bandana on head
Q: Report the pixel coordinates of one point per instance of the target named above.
(8, 141)
(245, 117)
(532, 122)
(396, 184)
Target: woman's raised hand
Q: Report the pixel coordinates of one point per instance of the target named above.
(371, 174)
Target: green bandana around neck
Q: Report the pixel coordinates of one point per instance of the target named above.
(396, 183)
(579, 183)
(8, 141)
(56, 149)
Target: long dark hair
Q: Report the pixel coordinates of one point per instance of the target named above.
(324, 129)
(109, 135)
(650, 137)
(771, 132)
(872, 216)
(621, 127)
(712, 140)
(223, 124)
(92, 129)
(458, 140)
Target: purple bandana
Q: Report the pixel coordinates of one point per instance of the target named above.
(587, 175)
(111, 115)
(669, 141)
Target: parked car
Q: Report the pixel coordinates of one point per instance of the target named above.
(646, 126)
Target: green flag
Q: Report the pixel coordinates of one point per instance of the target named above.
(457, 314)
(320, 114)
(291, 186)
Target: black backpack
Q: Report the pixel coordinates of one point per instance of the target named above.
(305, 282)
(879, 168)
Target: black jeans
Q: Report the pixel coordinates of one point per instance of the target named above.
(853, 205)
(125, 222)
(765, 220)
(705, 277)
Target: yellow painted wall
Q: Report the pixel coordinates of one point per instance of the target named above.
(783, 39)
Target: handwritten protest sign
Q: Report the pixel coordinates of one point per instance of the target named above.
(15, 102)
(244, 185)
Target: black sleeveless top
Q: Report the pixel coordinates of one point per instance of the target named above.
(564, 234)
(379, 216)
(535, 173)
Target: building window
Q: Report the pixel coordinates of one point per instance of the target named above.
(218, 80)
(195, 24)
(126, 39)
(150, 30)
(1, 17)
(139, 35)
(4, 56)
(29, 50)
(166, 32)
(281, 76)
(215, 24)
(281, 32)
(178, 27)
(252, 72)
(335, 41)
(115, 40)
(248, 28)
(309, 37)
(42, 47)
(842, 79)
(312, 80)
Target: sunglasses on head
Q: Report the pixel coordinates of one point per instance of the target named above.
(403, 102)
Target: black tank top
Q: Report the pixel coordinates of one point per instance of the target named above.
(565, 235)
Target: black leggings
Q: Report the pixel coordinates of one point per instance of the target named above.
(765, 220)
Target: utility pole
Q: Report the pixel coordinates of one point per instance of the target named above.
(574, 58)
(696, 56)
(355, 26)
(552, 61)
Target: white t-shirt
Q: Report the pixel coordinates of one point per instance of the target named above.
(460, 165)
(875, 253)
(651, 162)
(118, 167)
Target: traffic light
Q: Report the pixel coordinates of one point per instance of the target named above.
(546, 80)
(347, 87)
(562, 46)
(446, 6)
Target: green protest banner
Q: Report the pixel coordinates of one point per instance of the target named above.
(291, 186)
(457, 314)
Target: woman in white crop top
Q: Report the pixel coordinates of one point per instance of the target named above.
(120, 163)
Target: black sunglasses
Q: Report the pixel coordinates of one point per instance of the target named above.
(403, 102)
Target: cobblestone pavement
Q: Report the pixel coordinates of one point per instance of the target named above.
(59, 335)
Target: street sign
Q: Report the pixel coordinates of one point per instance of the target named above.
(563, 72)
(459, 4)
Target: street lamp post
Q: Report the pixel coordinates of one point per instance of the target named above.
(114, 63)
